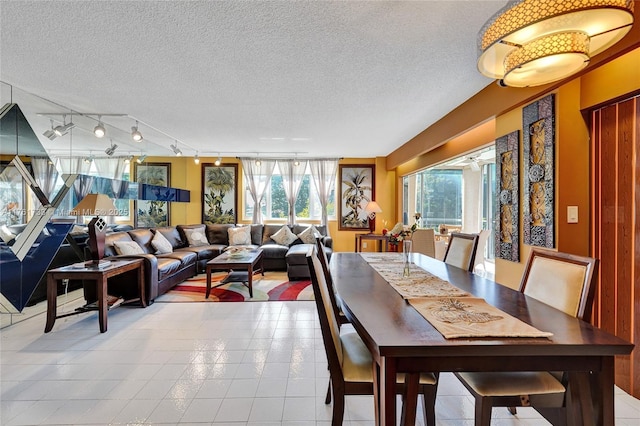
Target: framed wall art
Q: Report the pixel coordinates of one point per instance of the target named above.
(357, 186)
(507, 234)
(538, 143)
(152, 213)
(219, 193)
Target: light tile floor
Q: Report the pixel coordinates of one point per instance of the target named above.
(255, 363)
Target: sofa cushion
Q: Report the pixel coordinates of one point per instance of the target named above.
(185, 257)
(167, 266)
(127, 248)
(269, 230)
(161, 244)
(274, 251)
(308, 236)
(143, 237)
(256, 234)
(196, 236)
(297, 254)
(284, 236)
(217, 233)
(110, 239)
(173, 235)
(205, 252)
(240, 236)
(5, 234)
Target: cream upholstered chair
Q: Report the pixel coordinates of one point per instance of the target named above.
(461, 251)
(350, 362)
(565, 282)
(483, 237)
(424, 242)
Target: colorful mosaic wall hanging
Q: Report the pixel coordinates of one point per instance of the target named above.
(539, 195)
(507, 234)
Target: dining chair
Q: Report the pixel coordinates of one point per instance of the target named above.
(351, 365)
(424, 241)
(333, 295)
(566, 282)
(483, 237)
(461, 251)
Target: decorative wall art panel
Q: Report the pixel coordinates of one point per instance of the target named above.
(539, 159)
(219, 193)
(507, 235)
(153, 214)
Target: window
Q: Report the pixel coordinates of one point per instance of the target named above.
(438, 197)
(276, 207)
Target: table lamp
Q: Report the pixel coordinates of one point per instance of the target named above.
(98, 205)
(371, 209)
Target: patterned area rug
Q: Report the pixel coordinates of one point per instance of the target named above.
(273, 286)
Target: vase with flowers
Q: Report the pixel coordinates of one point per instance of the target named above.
(400, 233)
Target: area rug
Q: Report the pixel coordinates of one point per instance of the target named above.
(273, 286)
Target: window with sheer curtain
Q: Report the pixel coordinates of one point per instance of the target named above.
(275, 206)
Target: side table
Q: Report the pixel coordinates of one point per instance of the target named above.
(381, 240)
(98, 274)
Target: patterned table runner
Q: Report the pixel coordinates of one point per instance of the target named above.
(472, 317)
(419, 284)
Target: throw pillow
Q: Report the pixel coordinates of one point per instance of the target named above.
(308, 236)
(127, 247)
(77, 229)
(6, 234)
(284, 236)
(196, 236)
(161, 244)
(240, 236)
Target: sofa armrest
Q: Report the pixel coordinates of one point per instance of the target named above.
(327, 241)
(150, 265)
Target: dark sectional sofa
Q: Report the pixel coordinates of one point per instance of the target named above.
(164, 271)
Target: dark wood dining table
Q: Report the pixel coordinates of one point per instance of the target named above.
(402, 340)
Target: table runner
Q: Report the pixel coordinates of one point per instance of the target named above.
(472, 317)
(420, 284)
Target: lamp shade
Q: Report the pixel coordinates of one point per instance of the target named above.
(372, 207)
(95, 205)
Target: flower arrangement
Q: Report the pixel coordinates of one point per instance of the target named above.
(401, 232)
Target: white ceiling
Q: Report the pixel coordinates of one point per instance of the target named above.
(331, 78)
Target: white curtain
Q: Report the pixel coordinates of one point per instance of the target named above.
(81, 186)
(292, 176)
(258, 177)
(45, 174)
(324, 178)
(112, 167)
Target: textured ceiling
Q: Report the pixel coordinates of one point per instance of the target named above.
(343, 78)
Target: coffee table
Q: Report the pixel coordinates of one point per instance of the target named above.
(241, 268)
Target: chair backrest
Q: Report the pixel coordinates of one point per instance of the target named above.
(424, 241)
(461, 251)
(322, 256)
(328, 321)
(564, 281)
(483, 236)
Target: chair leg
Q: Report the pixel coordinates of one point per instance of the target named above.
(327, 400)
(429, 401)
(338, 410)
(483, 411)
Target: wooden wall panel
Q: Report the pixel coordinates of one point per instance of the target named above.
(616, 229)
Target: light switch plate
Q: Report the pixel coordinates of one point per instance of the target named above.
(572, 214)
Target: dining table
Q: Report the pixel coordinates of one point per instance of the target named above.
(401, 340)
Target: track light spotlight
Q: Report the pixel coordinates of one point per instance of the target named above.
(141, 159)
(196, 159)
(135, 133)
(63, 129)
(99, 130)
(109, 151)
(128, 159)
(218, 161)
(176, 150)
(51, 134)
(258, 163)
(89, 159)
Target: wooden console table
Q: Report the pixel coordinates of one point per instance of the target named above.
(98, 274)
(381, 240)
